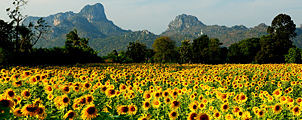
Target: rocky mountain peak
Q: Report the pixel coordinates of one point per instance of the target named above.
(94, 13)
(184, 21)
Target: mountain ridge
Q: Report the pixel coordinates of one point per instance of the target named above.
(92, 23)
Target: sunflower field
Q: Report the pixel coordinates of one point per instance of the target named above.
(152, 91)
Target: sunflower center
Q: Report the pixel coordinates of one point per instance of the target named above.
(31, 109)
(112, 92)
(175, 103)
(147, 104)
(132, 109)
(4, 103)
(66, 89)
(87, 85)
(89, 99)
(204, 117)
(225, 107)
(125, 109)
(71, 114)
(11, 93)
(27, 93)
(91, 110)
(174, 114)
(65, 100)
(192, 116)
(194, 106)
(277, 108)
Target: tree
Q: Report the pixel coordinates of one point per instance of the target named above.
(164, 49)
(137, 51)
(276, 45)
(211, 53)
(293, 56)
(6, 34)
(198, 45)
(283, 27)
(17, 17)
(185, 51)
(244, 51)
(73, 40)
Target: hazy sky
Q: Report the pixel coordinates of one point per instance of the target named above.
(155, 15)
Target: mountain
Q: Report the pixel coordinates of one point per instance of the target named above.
(189, 27)
(120, 42)
(104, 36)
(91, 22)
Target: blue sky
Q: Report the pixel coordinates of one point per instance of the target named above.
(155, 15)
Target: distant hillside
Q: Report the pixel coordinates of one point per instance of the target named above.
(91, 22)
(107, 45)
(189, 27)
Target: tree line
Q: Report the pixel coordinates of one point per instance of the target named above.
(17, 41)
(276, 47)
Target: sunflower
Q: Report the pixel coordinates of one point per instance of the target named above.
(228, 117)
(17, 83)
(123, 87)
(62, 101)
(193, 106)
(89, 112)
(40, 112)
(89, 98)
(192, 116)
(87, 85)
(48, 89)
(260, 113)
(277, 93)
(65, 89)
(110, 93)
(277, 108)
(9, 93)
(224, 107)
(29, 109)
(25, 94)
(246, 115)
(157, 94)
(70, 115)
(242, 97)
(132, 109)
(296, 111)
(167, 100)
(122, 109)
(173, 115)
(76, 88)
(203, 116)
(103, 88)
(6, 103)
(217, 115)
(147, 95)
(175, 104)
(146, 105)
(50, 96)
(156, 103)
(18, 112)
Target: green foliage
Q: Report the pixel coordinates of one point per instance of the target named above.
(137, 52)
(212, 52)
(198, 45)
(293, 56)
(185, 52)
(164, 49)
(244, 51)
(276, 45)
